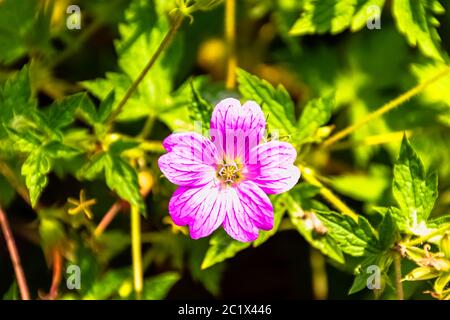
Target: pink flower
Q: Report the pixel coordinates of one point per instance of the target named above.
(225, 181)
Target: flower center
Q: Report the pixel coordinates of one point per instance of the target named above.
(229, 173)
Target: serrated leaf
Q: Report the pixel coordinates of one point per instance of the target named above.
(414, 191)
(416, 20)
(94, 167)
(200, 110)
(275, 102)
(157, 287)
(299, 208)
(106, 107)
(16, 100)
(387, 232)
(35, 170)
(58, 150)
(222, 247)
(62, 113)
(122, 178)
(354, 238)
(315, 114)
(367, 270)
(333, 16)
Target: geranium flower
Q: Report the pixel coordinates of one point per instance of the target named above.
(224, 181)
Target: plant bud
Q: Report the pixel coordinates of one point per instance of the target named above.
(422, 273)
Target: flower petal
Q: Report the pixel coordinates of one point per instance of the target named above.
(271, 167)
(248, 210)
(202, 208)
(235, 127)
(191, 159)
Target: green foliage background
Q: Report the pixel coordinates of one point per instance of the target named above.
(372, 198)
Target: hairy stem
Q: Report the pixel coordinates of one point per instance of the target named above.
(230, 39)
(309, 176)
(14, 254)
(57, 273)
(398, 275)
(386, 108)
(136, 251)
(319, 275)
(163, 45)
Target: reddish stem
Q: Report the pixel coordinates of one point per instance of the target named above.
(15, 258)
(108, 217)
(57, 269)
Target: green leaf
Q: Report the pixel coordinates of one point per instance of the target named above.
(301, 208)
(200, 110)
(363, 271)
(122, 178)
(24, 28)
(106, 107)
(16, 100)
(35, 169)
(51, 231)
(416, 20)
(108, 285)
(12, 293)
(316, 113)
(414, 191)
(334, 16)
(121, 145)
(222, 247)
(93, 167)
(62, 113)
(388, 232)
(157, 287)
(57, 150)
(146, 24)
(275, 102)
(354, 238)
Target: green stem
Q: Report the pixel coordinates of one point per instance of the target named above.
(385, 108)
(148, 126)
(309, 176)
(136, 251)
(230, 38)
(398, 275)
(424, 238)
(163, 45)
(319, 275)
(14, 254)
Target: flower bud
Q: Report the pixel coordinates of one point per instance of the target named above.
(422, 273)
